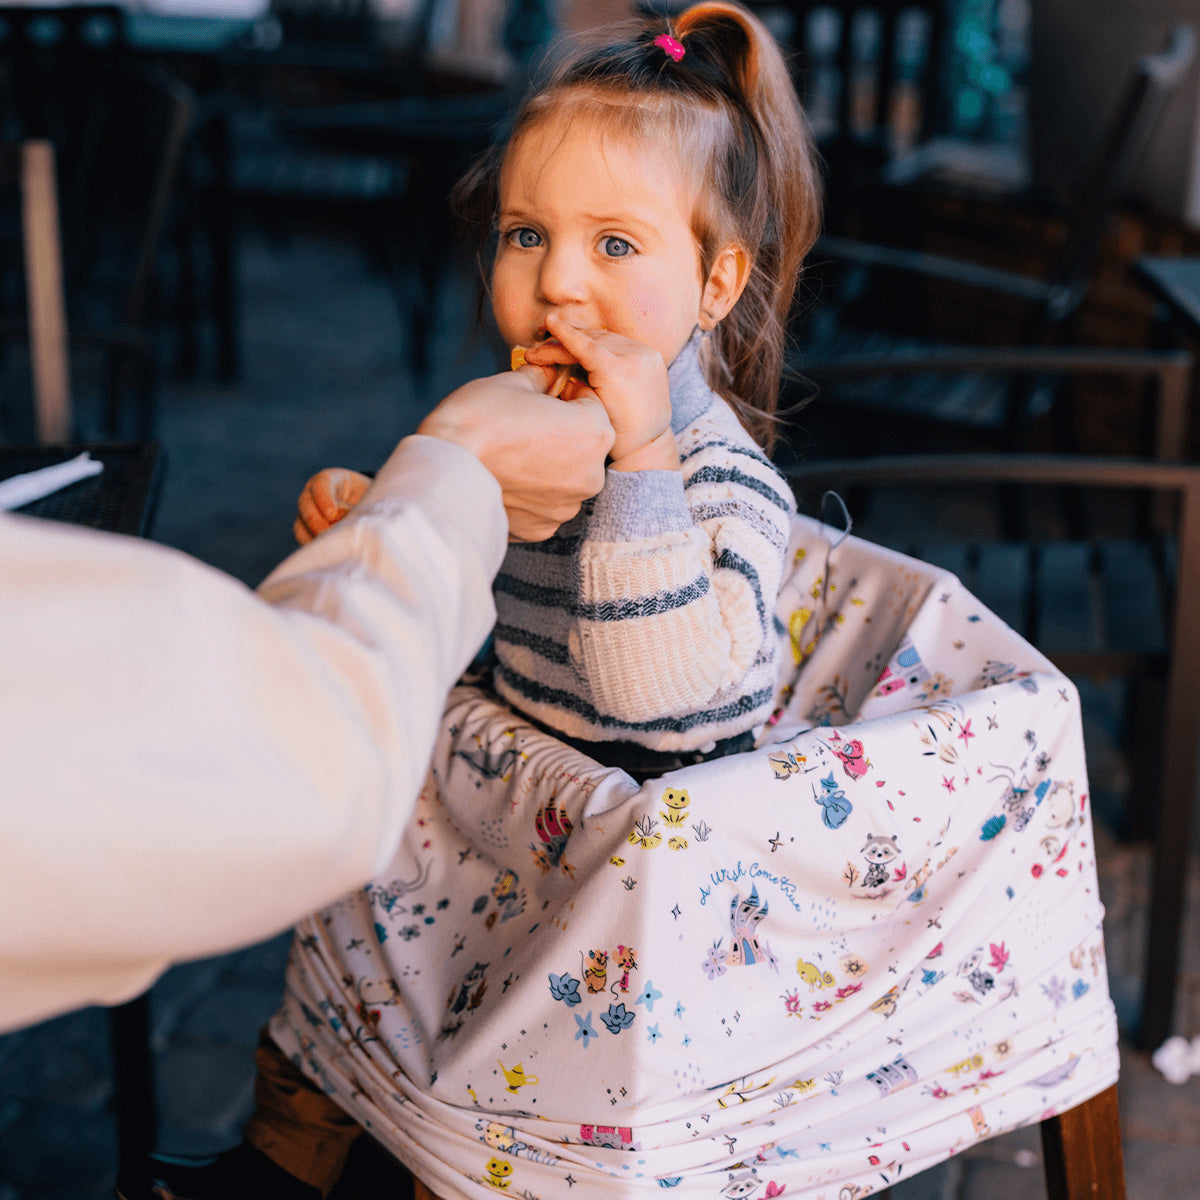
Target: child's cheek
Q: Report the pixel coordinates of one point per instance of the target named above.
(643, 305)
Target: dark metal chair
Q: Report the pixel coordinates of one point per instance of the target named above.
(868, 286)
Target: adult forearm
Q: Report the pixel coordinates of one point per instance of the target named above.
(187, 768)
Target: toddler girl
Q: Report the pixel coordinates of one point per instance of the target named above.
(646, 222)
(649, 214)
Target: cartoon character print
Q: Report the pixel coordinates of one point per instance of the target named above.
(373, 996)
(994, 672)
(676, 801)
(553, 830)
(900, 680)
(465, 998)
(1056, 803)
(973, 970)
(508, 895)
(891, 1077)
(498, 1173)
(614, 1137)
(595, 970)
(742, 1182)
(854, 758)
(746, 945)
(786, 763)
(627, 963)
(835, 808)
(811, 974)
(879, 852)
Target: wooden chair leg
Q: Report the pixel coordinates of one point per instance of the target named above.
(1082, 1151)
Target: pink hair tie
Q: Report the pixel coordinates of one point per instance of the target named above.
(669, 46)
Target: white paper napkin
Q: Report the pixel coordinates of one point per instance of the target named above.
(33, 485)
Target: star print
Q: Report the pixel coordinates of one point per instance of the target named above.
(571, 1181)
(675, 912)
(992, 722)
(948, 783)
(775, 842)
(965, 733)
(648, 996)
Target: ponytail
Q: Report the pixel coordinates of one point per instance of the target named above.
(775, 214)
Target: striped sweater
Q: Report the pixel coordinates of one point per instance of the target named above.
(649, 618)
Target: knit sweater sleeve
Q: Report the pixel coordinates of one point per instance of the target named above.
(678, 578)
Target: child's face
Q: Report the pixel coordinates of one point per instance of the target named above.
(599, 229)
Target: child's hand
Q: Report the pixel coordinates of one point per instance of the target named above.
(630, 380)
(327, 497)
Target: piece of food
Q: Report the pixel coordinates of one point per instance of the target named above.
(564, 373)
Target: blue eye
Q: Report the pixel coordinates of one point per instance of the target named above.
(526, 238)
(615, 247)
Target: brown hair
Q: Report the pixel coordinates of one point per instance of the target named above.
(731, 115)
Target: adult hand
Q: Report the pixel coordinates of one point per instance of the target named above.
(547, 454)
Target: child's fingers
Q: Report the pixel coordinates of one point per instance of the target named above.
(585, 346)
(337, 490)
(551, 353)
(310, 517)
(301, 533)
(327, 497)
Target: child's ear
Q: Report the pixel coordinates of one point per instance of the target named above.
(730, 270)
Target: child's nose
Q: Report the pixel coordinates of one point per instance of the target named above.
(563, 276)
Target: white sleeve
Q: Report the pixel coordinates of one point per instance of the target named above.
(186, 768)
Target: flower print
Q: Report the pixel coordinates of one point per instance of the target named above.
(714, 963)
(1056, 991)
(853, 965)
(585, 1032)
(938, 685)
(679, 1009)
(652, 1034)
(648, 996)
(822, 1006)
(564, 988)
(617, 1018)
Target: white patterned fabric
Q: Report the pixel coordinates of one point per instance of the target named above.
(814, 968)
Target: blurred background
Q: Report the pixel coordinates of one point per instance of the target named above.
(257, 278)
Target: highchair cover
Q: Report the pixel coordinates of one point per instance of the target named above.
(817, 967)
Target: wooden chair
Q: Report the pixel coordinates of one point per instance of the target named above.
(30, 165)
(117, 130)
(866, 286)
(1123, 602)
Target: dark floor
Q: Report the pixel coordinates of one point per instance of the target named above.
(325, 382)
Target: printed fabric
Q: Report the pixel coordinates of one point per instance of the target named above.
(815, 968)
